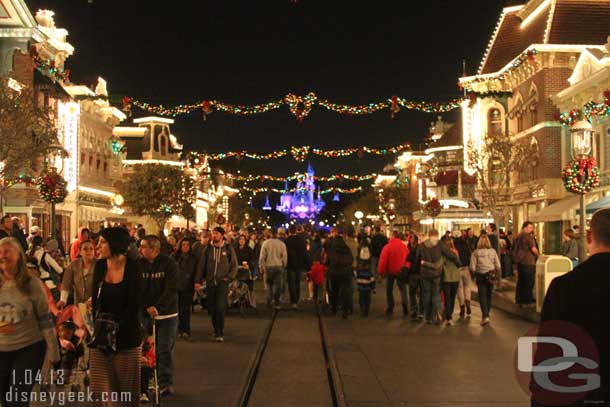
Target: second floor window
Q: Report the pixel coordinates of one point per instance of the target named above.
(494, 121)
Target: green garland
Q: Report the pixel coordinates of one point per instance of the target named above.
(581, 176)
(52, 187)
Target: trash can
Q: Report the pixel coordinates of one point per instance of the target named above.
(547, 268)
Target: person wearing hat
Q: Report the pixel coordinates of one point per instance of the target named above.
(117, 290)
(49, 269)
(218, 267)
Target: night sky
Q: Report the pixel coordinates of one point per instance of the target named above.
(252, 52)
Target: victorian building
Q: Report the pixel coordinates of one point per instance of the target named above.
(531, 55)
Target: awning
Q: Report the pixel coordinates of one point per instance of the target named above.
(564, 209)
(597, 205)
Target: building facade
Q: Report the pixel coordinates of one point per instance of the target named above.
(531, 55)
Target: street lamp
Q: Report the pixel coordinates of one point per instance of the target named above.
(581, 133)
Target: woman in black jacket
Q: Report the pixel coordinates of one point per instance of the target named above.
(117, 289)
(187, 266)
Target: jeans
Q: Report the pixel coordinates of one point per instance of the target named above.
(450, 290)
(485, 289)
(294, 285)
(340, 287)
(364, 298)
(374, 265)
(19, 371)
(464, 286)
(415, 294)
(507, 265)
(166, 339)
(274, 284)
(526, 277)
(431, 296)
(217, 306)
(185, 302)
(402, 287)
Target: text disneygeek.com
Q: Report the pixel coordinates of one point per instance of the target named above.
(67, 398)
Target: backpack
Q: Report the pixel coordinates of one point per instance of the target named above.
(364, 253)
(517, 253)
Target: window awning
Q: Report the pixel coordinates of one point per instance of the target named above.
(564, 209)
(597, 205)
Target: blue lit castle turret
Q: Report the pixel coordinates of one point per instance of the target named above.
(303, 203)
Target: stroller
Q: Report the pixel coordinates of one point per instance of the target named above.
(149, 362)
(200, 297)
(240, 292)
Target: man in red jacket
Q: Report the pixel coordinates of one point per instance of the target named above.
(393, 257)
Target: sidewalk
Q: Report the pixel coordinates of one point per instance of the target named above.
(505, 301)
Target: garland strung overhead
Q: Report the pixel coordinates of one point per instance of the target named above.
(299, 106)
(589, 110)
(335, 177)
(334, 190)
(301, 153)
(581, 176)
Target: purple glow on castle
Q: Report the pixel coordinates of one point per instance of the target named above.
(302, 203)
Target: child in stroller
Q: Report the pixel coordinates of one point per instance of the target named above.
(148, 362)
(71, 334)
(240, 291)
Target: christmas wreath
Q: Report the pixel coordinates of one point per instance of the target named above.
(581, 176)
(53, 187)
(432, 208)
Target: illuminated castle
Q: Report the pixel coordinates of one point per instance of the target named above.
(303, 203)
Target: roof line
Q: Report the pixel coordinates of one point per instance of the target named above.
(549, 22)
(505, 11)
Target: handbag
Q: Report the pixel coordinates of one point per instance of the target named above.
(403, 274)
(106, 328)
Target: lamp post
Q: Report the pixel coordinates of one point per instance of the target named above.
(359, 215)
(581, 133)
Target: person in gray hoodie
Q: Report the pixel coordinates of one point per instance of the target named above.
(218, 266)
(483, 263)
(430, 258)
(273, 261)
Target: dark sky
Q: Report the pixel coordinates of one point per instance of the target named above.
(258, 50)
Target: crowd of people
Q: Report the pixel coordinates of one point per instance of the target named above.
(128, 280)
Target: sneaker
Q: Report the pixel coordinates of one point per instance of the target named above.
(186, 337)
(144, 398)
(166, 391)
(485, 321)
(448, 323)
(277, 307)
(295, 307)
(220, 339)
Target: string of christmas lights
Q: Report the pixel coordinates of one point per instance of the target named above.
(333, 190)
(299, 106)
(528, 56)
(331, 178)
(301, 153)
(589, 110)
(48, 67)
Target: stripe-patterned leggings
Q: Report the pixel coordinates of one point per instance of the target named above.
(115, 379)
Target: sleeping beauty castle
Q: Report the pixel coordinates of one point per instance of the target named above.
(302, 203)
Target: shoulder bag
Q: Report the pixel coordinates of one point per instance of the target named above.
(106, 328)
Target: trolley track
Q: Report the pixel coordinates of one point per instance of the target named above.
(328, 369)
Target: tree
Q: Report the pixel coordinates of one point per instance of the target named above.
(159, 191)
(27, 134)
(496, 162)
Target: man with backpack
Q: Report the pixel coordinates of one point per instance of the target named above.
(340, 266)
(525, 254)
(218, 266)
(298, 263)
(392, 260)
(378, 240)
(430, 258)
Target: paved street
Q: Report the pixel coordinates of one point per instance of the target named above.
(381, 361)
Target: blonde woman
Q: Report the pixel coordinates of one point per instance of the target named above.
(483, 263)
(26, 326)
